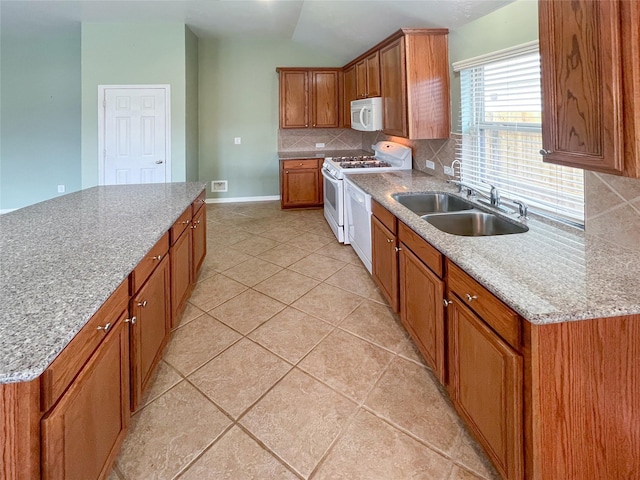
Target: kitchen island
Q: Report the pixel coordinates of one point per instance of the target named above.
(536, 335)
(69, 268)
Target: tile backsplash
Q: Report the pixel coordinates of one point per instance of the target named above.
(297, 140)
(612, 209)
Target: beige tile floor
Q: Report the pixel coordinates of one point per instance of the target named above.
(287, 364)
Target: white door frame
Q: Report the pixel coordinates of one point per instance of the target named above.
(101, 125)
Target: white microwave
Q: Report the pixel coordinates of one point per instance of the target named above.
(366, 114)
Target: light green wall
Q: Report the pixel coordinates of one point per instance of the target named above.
(40, 116)
(239, 98)
(511, 25)
(129, 54)
(192, 147)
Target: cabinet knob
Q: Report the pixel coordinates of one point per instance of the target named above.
(470, 298)
(142, 304)
(397, 249)
(301, 164)
(389, 241)
(286, 171)
(446, 302)
(544, 152)
(106, 327)
(158, 257)
(194, 226)
(186, 222)
(306, 124)
(131, 320)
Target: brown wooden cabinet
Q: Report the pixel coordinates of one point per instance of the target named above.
(349, 93)
(414, 72)
(384, 253)
(309, 98)
(181, 265)
(486, 377)
(301, 183)
(421, 297)
(199, 240)
(590, 54)
(368, 76)
(150, 307)
(82, 434)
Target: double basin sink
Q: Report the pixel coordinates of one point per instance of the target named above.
(454, 215)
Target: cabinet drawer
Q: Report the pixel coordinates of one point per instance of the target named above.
(431, 257)
(149, 262)
(504, 321)
(387, 218)
(180, 225)
(58, 376)
(199, 202)
(294, 164)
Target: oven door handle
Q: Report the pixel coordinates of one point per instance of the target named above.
(326, 174)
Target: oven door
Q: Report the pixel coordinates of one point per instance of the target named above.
(334, 204)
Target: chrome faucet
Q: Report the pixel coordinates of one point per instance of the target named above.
(494, 195)
(523, 209)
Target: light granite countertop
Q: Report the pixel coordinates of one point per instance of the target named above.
(62, 258)
(549, 274)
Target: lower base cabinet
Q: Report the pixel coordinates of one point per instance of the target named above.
(82, 434)
(301, 183)
(486, 387)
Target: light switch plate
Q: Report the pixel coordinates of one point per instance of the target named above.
(449, 171)
(237, 140)
(319, 145)
(431, 165)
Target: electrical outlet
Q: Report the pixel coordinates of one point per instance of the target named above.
(61, 188)
(319, 145)
(449, 171)
(237, 140)
(430, 165)
(219, 185)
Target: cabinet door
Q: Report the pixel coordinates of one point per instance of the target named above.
(393, 83)
(151, 308)
(294, 95)
(180, 273)
(325, 105)
(373, 74)
(83, 433)
(361, 79)
(199, 227)
(422, 311)
(581, 84)
(485, 382)
(300, 187)
(384, 261)
(349, 93)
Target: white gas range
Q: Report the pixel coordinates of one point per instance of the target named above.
(388, 156)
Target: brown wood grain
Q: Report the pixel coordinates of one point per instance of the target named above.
(372, 62)
(585, 385)
(150, 261)
(361, 78)
(421, 309)
(387, 218)
(300, 186)
(181, 276)
(394, 88)
(59, 375)
(630, 33)
(384, 262)
(199, 245)
(294, 103)
(580, 48)
(180, 225)
(20, 430)
(349, 94)
(496, 314)
(431, 257)
(325, 96)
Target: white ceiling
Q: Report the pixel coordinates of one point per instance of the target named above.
(342, 28)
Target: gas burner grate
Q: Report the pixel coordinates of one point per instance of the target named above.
(364, 164)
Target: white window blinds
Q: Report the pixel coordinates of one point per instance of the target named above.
(500, 120)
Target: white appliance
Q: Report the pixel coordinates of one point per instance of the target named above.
(366, 114)
(388, 156)
(357, 224)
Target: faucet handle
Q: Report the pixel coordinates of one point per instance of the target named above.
(523, 209)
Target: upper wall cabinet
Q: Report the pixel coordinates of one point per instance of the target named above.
(590, 53)
(349, 93)
(414, 69)
(368, 76)
(309, 98)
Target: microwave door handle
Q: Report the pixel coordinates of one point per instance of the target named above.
(362, 122)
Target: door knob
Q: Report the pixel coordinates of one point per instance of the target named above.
(159, 161)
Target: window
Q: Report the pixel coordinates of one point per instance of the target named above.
(500, 120)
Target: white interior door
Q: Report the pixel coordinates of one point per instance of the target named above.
(135, 143)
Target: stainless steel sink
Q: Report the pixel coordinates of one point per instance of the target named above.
(474, 224)
(423, 203)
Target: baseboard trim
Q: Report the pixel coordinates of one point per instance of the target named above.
(270, 198)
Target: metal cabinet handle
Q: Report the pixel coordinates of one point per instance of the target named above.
(470, 298)
(159, 257)
(545, 152)
(446, 302)
(106, 327)
(131, 320)
(142, 304)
